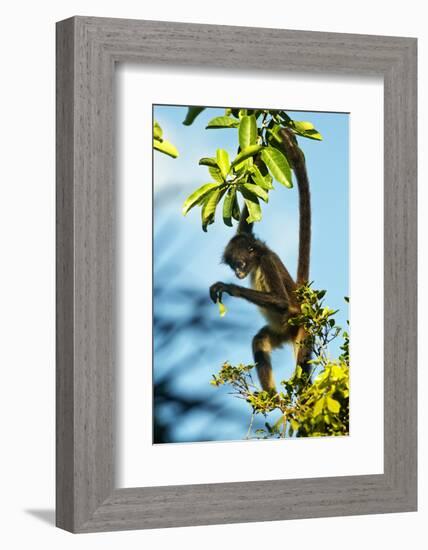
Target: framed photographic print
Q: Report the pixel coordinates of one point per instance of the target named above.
(236, 274)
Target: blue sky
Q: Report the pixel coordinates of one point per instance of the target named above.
(192, 257)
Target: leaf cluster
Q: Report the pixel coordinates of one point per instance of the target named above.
(248, 177)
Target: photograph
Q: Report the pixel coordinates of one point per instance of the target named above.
(251, 299)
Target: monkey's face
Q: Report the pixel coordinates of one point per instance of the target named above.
(240, 255)
(241, 268)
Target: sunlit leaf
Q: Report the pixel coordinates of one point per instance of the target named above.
(306, 129)
(228, 205)
(157, 131)
(277, 165)
(253, 205)
(215, 174)
(209, 207)
(213, 168)
(257, 190)
(302, 126)
(265, 182)
(222, 122)
(223, 162)
(294, 424)
(333, 405)
(246, 153)
(312, 134)
(273, 134)
(247, 131)
(165, 147)
(193, 199)
(319, 406)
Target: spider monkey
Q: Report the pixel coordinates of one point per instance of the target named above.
(272, 285)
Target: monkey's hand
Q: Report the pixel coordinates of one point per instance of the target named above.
(217, 289)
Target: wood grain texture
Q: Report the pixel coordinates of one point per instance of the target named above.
(87, 49)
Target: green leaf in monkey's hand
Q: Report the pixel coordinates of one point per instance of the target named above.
(221, 308)
(278, 165)
(192, 113)
(197, 196)
(209, 207)
(247, 131)
(166, 147)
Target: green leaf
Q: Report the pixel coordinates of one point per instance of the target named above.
(265, 182)
(165, 147)
(261, 193)
(253, 205)
(247, 131)
(215, 174)
(192, 113)
(319, 406)
(157, 131)
(209, 207)
(236, 211)
(247, 153)
(273, 134)
(221, 308)
(277, 165)
(213, 168)
(306, 129)
(228, 205)
(303, 126)
(208, 161)
(294, 424)
(333, 405)
(198, 195)
(222, 122)
(312, 134)
(223, 162)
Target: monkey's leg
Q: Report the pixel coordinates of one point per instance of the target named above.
(263, 343)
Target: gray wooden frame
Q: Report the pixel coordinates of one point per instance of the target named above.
(87, 50)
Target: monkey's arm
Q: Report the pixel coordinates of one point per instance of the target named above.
(261, 299)
(277, 299)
